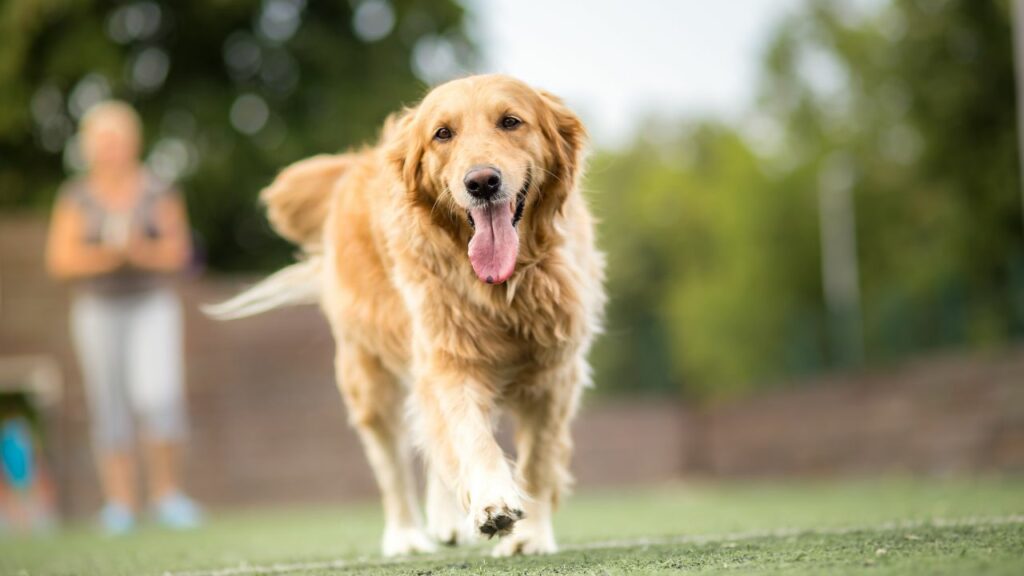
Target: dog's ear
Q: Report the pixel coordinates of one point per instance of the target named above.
(404, 147)
(567, 137)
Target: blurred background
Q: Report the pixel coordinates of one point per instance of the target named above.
(812, 212)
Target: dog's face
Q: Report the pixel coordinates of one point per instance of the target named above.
(497, 155)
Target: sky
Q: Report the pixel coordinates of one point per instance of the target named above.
(617, 61)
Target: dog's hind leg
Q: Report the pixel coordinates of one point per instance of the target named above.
(444, 515)
(376, 399)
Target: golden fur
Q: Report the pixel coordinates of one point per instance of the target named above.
(413, 324)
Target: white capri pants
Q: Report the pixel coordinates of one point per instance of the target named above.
(130, 349)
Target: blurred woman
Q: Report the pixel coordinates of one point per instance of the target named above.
(118, 234)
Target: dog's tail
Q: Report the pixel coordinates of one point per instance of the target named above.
(291, 286)
(297, 204)
(298, 199)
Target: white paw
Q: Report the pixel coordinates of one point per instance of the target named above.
(445, 524)
(405, 541)
(526, 539)
(445, 518)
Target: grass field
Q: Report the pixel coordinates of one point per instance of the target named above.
(878, 527)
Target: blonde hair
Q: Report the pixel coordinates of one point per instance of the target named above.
(109, 109)
(102, 112)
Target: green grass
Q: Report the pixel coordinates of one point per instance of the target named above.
(755, 528)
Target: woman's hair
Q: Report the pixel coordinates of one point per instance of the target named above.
(105, 113)
(110, 109)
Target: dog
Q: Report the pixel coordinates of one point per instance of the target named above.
(456, 264)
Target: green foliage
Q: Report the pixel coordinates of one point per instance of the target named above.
(190, 66)
(713, 231)
(926, 111)
(716, 259)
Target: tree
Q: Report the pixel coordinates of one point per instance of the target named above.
(921, 97)
(713, 230)
(229, 91)
(712, 266)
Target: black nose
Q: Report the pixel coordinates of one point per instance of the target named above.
(483, 182)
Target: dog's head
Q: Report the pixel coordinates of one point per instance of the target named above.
(497, 157)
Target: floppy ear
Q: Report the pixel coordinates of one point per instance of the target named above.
(404, 147)
(567, 138)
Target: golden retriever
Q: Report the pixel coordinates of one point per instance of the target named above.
(456, 264)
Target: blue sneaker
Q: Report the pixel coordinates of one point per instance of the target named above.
(116, 519)
(178, 511)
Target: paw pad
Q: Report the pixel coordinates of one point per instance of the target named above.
(500, 523)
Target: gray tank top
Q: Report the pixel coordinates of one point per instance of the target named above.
(105, 227)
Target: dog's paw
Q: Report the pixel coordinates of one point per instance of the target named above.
(445, 525)
(405, 541)
(531, 536)
(526, 539)
(449, 529)
(496, 518)
(449, 534)
(445, 518)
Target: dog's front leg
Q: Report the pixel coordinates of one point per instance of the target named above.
(543, 447)
(454, 414)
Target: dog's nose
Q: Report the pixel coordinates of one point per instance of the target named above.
(483, 182)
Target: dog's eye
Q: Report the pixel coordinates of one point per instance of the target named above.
(510, 122)
(443, 134)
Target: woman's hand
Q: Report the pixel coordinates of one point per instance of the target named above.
(170, 250)
(68, 256)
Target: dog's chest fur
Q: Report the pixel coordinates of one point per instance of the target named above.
(536, 321)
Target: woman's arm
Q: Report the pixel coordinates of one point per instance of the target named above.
(171, 249)
(67, 255)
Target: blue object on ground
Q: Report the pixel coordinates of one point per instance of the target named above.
(178, 511)
(16, 453)
(117, 519)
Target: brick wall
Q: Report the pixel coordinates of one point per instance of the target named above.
(940, 415)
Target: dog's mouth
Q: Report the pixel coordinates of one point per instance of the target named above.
(495, 244)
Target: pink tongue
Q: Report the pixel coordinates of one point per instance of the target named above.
(495, 243)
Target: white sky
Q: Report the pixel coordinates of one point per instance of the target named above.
(616, 61)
